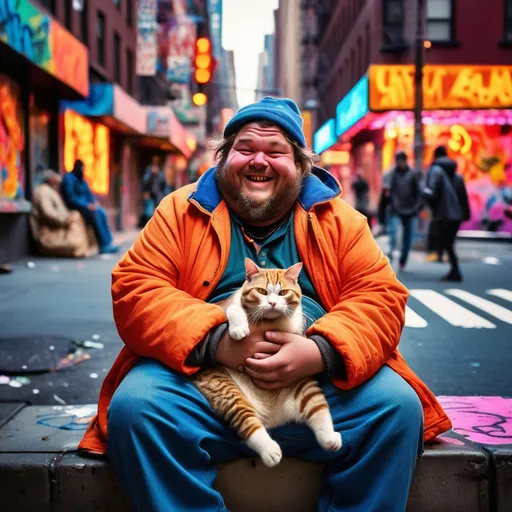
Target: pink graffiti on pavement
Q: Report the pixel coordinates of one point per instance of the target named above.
(480, 419)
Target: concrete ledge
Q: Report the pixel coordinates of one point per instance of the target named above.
(40, 470)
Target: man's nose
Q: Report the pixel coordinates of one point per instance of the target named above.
(259, 160)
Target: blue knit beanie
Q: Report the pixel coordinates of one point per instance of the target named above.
(284, 112)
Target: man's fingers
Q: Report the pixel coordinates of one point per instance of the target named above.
(279, 337)
(267, 347)
(269, 364)
(260, 355)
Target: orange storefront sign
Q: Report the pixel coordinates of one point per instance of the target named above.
(89, 142)
(70, 62)
(444, 87)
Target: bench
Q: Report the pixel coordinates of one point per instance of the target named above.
(468, 469)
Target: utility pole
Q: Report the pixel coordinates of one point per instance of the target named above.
(418, 81)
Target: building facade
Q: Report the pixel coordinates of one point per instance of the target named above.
(366, 93)
(104, 81)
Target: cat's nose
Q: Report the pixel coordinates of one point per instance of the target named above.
(272, 303)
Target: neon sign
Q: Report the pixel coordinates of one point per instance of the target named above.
(324, 137)
(89, 142)
(444, 87)
(352, 107)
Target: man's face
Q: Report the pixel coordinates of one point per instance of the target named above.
(401, 163)
(260, 180)
(55, 182)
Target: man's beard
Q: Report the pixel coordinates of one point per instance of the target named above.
(257, 210)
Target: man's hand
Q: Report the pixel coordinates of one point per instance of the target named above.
(233, 353)
(297, 358)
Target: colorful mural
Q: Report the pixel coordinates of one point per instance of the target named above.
(44, 42)
(12, 140)
(484, 158)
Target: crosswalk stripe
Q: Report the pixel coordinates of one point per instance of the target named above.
(450, 311)
(493, 309)
(501, 293)
(412, 319)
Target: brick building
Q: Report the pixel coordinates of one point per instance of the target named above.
(365, 89)
(70, 88)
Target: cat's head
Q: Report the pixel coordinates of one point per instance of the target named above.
(271, 293)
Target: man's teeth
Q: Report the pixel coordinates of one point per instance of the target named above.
(258, 178)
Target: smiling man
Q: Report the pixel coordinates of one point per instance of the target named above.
(264, 200)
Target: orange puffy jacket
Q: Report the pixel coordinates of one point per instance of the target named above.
(160, 286)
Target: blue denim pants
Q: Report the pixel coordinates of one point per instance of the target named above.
(408, 226)
(99, 221)
(164, 441)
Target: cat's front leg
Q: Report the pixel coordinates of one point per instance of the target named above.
(237, 320)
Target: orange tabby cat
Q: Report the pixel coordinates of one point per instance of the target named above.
(268, 300)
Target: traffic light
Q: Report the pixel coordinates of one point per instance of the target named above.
(204, 65)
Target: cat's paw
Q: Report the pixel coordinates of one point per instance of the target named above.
(271, 454)
(239, 332)
(330, 441)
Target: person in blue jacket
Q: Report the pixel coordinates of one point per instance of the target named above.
(78, 196)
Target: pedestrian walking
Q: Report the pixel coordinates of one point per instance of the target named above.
(446, 195)
(402, 186)
(266, 201)
(361, 191)
(153, 190)
(78, 196)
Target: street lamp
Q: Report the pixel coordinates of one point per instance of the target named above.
(418, 79)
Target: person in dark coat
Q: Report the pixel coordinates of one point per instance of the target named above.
(78, 196)
(153, 190)
(446, 195)
(361, 193)
(402, 187)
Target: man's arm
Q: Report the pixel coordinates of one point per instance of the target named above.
(154, 318)
(366, 323)
(73, 201)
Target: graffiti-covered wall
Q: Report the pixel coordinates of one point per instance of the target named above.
(12, 140)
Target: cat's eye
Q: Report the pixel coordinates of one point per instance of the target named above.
(283, 292)
(262, 291)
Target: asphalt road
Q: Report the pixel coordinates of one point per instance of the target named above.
(72, 298)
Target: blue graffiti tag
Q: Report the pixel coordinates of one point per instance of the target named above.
(21, 36)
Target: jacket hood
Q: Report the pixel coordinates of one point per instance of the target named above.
(318, 187)
(448, 165)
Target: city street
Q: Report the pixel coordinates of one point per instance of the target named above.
(457, 336)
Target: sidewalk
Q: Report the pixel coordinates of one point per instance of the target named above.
(58, 299)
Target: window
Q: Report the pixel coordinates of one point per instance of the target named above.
(129, 12)
(439, 20)
(507, 36)
(68, 13)
(100, 38)
(129, 71)
(393, 14)
(117, 58)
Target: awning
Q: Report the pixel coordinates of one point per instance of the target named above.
(113, 107)
(163, 124)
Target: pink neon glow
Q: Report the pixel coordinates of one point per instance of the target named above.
(481, 419)
(445, 117)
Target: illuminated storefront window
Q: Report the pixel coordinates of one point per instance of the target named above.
(12, 141)
(89, 142)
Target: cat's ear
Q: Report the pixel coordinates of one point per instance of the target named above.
(251, 269)
(293, 272)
